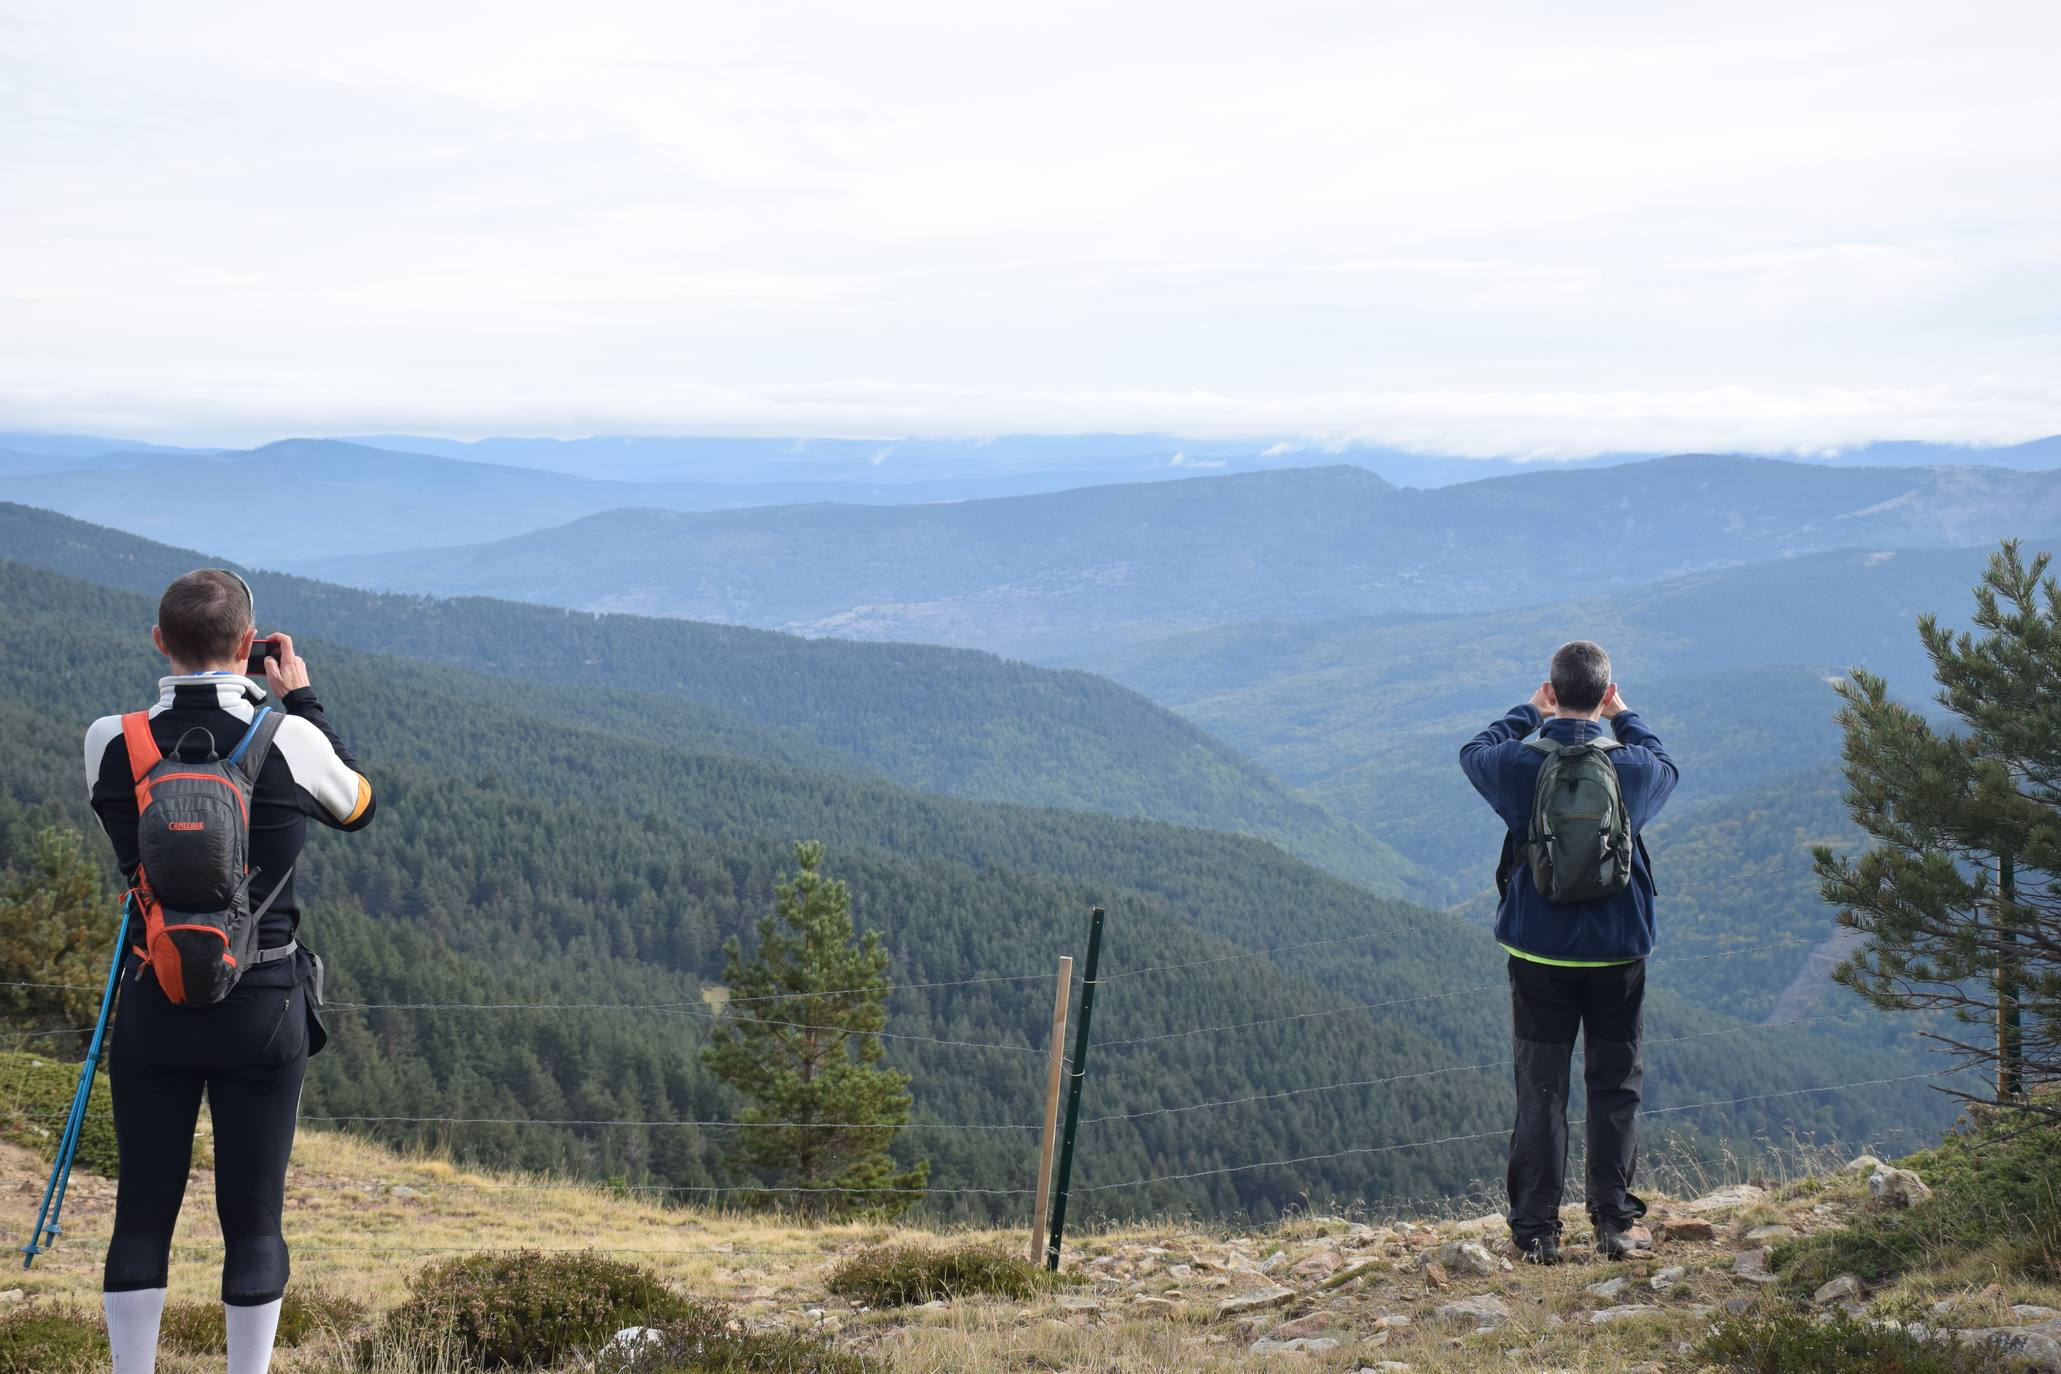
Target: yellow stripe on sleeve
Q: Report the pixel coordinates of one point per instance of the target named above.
(364, 799)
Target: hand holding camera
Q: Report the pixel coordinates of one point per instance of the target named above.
(273, 659)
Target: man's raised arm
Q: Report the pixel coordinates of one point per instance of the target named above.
(1645, 774)
(1481, 757)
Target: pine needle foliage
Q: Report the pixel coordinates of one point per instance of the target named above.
(1949, 812)
(802, 1042)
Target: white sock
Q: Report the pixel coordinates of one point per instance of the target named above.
(251, 1330)
(132, 1320)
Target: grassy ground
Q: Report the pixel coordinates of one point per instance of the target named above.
(363, 1220)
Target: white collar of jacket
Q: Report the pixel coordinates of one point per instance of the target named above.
(230, 688)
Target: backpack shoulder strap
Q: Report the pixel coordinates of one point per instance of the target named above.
(1542, 745)
(250, 751)
(144, 754)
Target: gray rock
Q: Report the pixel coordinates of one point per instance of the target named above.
(1752, 1266)
(1469, 1257)
(1321, 1265)
(1482, 1312)
(1301, 1345)
(1628, 1313)
(1767, 1235)
(1726, 1199)
(1845, 1288)
(1164, 1308)
(1862, 1164)
(1257, 1301)
(2026, 1312)
(1609, 1288)
(2038, 1347)
(1303, 1327)
(1075, 1304)
(1667, 1278)
(1898, 1187)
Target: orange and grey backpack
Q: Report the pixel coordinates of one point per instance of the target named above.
(194, 876)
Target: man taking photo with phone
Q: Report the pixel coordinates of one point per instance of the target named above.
(206, 797)
(1576, 919)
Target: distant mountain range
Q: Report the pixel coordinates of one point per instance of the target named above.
(946, 721)
(1001, 465)
(1075, 575)
(303, 498)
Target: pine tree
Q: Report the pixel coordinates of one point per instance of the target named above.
(802, 1042)
(57, 930)
(1956, 900)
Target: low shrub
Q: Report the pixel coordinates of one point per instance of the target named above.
(1993, 1196)
(705, 1343)
(526, 1309)
(197, 1328)
(1794, 1341)
(38, 1093)
(900, 1275)
(42, 1340)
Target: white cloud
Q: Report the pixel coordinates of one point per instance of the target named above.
(1481, 224)
(1541, 425)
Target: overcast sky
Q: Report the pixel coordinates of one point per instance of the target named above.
(1509, 228)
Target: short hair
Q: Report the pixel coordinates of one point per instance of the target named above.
(1580, 675)
(202, 616)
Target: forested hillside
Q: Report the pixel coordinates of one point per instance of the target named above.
(1071, 575)
(526, 854)
(1730, 666)
(946, 721)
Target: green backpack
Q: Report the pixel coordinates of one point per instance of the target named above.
(1580, 842)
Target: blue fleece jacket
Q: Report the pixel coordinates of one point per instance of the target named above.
(1611, 929)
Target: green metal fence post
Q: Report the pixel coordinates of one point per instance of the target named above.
(1073, 1089)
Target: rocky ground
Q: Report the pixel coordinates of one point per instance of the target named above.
(1321, 1293)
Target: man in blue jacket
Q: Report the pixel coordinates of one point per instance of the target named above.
(1574, 966)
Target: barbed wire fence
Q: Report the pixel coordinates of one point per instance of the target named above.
(1481, 1190)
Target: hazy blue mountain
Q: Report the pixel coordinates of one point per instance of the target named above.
(299, 496)
(1072, 575)
(1731, 667)
(85, 445)
(315, 497)
(947, 721)
(754, 460)
(1093, 459)
(2038, 454)
(17, 462)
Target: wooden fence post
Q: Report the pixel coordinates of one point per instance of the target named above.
(1053, 1067)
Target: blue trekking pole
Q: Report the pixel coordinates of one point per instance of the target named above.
(47, 1229)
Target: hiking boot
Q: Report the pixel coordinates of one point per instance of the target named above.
(1612, 1242)
(1544, 1250)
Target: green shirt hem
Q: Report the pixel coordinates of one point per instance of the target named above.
(1565, 963)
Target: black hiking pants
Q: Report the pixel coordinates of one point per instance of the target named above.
(1548, 1006)
(250, 1053)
